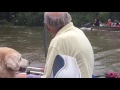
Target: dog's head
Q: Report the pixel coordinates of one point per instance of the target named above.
(14, 61)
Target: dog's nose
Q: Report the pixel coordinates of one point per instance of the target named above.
(29, 62)
(21, 69)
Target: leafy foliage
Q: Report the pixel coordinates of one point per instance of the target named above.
(36, 18)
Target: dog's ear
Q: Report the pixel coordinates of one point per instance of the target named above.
(12, 64)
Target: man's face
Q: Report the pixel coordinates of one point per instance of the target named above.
(51, 30)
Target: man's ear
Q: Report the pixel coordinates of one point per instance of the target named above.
(1, 57)
(11, 64)
(49, 29)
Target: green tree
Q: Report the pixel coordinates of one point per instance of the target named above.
(36, 18)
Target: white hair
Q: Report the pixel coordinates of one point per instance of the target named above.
(57, 22)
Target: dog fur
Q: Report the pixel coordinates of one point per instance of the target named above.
(10, 62)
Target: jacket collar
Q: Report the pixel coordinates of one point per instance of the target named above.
(66, 28)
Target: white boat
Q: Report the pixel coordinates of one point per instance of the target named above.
(85, 28)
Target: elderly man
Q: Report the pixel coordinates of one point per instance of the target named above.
(67, 40)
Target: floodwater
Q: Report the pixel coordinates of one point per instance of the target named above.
(29, 42)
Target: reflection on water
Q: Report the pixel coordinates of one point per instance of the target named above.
(29, 42)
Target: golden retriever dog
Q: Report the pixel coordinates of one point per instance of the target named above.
(11, 62)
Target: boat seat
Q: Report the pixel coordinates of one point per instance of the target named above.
(65, 67)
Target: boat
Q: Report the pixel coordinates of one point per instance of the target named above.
(117, 28)
(90, 27)
(98, 28)
(86, 28)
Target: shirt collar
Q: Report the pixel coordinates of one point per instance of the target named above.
(66, 28)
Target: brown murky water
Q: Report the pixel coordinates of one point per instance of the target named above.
(106, 45)
(29, 42)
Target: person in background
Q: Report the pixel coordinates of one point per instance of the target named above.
(96, 23)
(67, 40)
(109, 23)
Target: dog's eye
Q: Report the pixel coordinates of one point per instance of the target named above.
(20, 58)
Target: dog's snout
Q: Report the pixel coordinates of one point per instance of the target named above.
(21, 69)
(29, 62)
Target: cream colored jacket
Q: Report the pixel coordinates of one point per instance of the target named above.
(71, 41)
